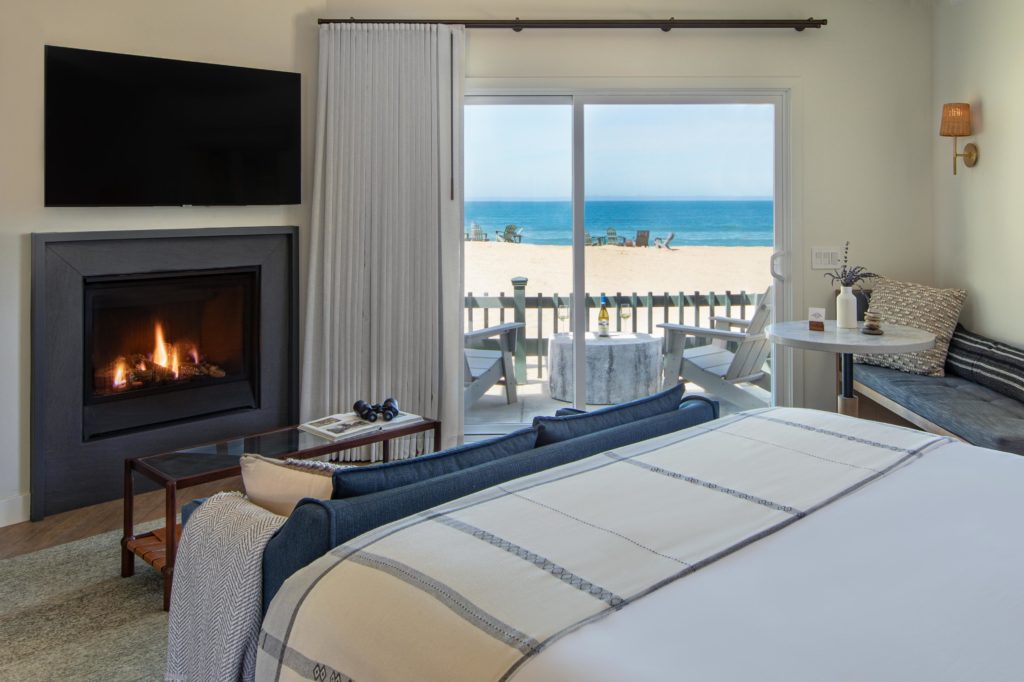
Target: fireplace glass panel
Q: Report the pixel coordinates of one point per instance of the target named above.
(152, 334)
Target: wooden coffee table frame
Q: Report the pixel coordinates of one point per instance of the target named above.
(157, 547)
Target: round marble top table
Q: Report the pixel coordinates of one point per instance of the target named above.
(846, 342)
(620, 367)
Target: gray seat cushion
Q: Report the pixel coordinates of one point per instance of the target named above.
(977, 414)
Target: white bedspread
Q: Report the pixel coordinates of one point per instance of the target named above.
(918, 576)
(335, 618)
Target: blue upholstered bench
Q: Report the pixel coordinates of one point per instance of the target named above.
(979, 400)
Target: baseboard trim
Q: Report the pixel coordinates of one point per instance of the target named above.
(14, 510)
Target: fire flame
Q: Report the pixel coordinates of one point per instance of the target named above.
(169, 360)
(160, 348)
(120, 374)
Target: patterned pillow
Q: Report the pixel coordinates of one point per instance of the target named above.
(922, 307)
(995, 365)
(970, 342)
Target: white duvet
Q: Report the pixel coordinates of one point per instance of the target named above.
(918, 576)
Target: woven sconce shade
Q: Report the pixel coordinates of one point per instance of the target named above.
(956, 120)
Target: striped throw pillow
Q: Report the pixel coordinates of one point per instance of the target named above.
(970, 342)
(922, 307)
(990, 363)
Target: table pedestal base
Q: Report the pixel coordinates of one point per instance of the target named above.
(849, 406)
(847, 402)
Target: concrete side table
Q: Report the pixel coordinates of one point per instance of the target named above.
(620, 367)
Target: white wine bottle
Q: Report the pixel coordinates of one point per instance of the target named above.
(602, 317)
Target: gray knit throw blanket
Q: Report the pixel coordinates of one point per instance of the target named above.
(216, 602)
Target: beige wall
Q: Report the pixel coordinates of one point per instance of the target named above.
(979, 217)
(862, 112)
(861, 97)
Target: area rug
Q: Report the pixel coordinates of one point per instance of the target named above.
(66, 614)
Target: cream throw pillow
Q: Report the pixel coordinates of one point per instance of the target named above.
(278, 487)
(922, 307)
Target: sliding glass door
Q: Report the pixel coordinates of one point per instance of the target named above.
(662, 209)
(679, 214)
(517, 256)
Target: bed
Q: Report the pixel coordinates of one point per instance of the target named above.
(777, 544)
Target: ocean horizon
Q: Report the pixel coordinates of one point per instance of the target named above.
(700, 222)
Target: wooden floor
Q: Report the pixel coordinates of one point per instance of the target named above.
(23, 538)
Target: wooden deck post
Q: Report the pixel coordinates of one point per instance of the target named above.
(519, 313)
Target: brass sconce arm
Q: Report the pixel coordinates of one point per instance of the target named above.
(969, 155)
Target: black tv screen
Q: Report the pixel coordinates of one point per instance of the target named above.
(123, 130)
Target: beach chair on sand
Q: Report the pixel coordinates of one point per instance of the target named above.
(485, 367)
(476, 234)
(715, 368)
(642, 237)
(665, 243)
(512, 234)
(587, 239)
(612, 237)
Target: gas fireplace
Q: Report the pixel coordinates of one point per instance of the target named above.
(146, 336)
(150, 341)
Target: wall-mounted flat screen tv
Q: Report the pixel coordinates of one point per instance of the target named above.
(123, 130)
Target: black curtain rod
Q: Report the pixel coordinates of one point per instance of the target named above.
(666, 25)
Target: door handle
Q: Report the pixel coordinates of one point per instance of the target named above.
(771, 266)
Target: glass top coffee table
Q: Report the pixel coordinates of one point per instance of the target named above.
(216, 461)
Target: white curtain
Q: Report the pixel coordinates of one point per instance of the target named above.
(384, 295)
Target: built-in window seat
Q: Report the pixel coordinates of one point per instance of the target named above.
(980, 400)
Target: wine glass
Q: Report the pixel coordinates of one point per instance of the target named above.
(625, 312)
(563, 312)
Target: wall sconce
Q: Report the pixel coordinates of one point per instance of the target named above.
(956, 122)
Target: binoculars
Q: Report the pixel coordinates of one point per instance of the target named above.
(387, 410)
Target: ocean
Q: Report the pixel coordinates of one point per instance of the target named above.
(696, 223)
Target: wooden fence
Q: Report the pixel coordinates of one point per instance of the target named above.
(541, 315)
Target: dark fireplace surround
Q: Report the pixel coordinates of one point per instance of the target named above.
(152, 340)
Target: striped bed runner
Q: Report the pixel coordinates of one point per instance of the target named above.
(472, 589)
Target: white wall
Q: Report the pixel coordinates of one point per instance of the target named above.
(257, 33)
(862, 109)
(979, 217)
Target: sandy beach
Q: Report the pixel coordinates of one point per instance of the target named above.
(490, 267)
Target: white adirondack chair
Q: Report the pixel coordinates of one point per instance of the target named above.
(714, 367)
(485, 368)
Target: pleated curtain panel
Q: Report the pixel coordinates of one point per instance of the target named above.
(384, 294)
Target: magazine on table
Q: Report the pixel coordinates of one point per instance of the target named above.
(349, 424)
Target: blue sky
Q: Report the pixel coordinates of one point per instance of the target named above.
(632, 151)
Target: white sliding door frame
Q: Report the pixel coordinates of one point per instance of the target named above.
(786, 375)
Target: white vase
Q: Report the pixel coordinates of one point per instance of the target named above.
(846, 309)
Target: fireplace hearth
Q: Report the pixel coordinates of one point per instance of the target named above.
(146, 341)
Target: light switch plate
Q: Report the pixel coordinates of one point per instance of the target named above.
(825, 257)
